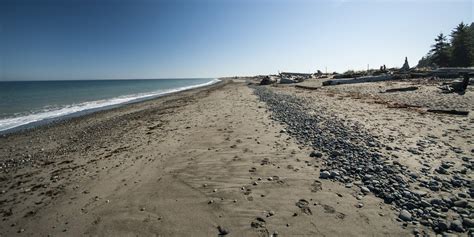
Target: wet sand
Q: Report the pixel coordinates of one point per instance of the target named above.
(185, 164)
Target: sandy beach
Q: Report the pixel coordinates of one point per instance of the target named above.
(228, 159)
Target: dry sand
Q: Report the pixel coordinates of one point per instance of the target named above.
(184, 164)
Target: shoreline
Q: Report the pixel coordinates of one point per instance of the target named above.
(56, 120)
(241, 158)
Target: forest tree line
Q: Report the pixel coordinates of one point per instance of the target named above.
(455, 51)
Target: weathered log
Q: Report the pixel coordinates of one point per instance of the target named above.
(402, 105)
(458, 87)
(454, 112)
(357, 80)
(411, 88)
(306, 87)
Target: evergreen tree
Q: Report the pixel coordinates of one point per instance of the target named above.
(440, 51)
(461, 54)
(426, 61)
(471, 33)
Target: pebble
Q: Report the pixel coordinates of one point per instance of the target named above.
(324, 175)
(364, 190)
(460, 203)
(405, 215)
(316, 154)
(469, 223)
(456, 225)
(222, 230)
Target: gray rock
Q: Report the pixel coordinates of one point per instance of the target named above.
(324, 175)
(456, 225)
(460, 203)
(364, 189)
(468, 223)
(316, 154)
(443, 225)
(405, 215)
(334, 174)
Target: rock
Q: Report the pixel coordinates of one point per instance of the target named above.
(468, 223)
(456, 225)
(443, 225)
(324, 175)
(419, 193)
(460, 203)
(222, 230)
(364, 190)
(334, 174)
(356, 157)
(405, 215)
(258, 223)
(316, 154)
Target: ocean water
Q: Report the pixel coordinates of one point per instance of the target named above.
(25, 103)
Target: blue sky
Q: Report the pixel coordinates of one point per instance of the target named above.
(85, 39)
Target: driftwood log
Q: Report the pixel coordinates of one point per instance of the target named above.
(456, 87)
(454, 112)
(357, 80)
(411, 88)
(306, 87)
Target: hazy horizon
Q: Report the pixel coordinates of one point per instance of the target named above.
(58, 40)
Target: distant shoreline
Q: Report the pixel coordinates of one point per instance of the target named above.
(64, 118)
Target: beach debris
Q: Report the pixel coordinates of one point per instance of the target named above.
(443, 111)
(401, 105)
(456, 86)
(451, 72)
(268, 80)
(410, 88)
(358, 80)
(286, 80)
(293, 77)
(306, 87)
